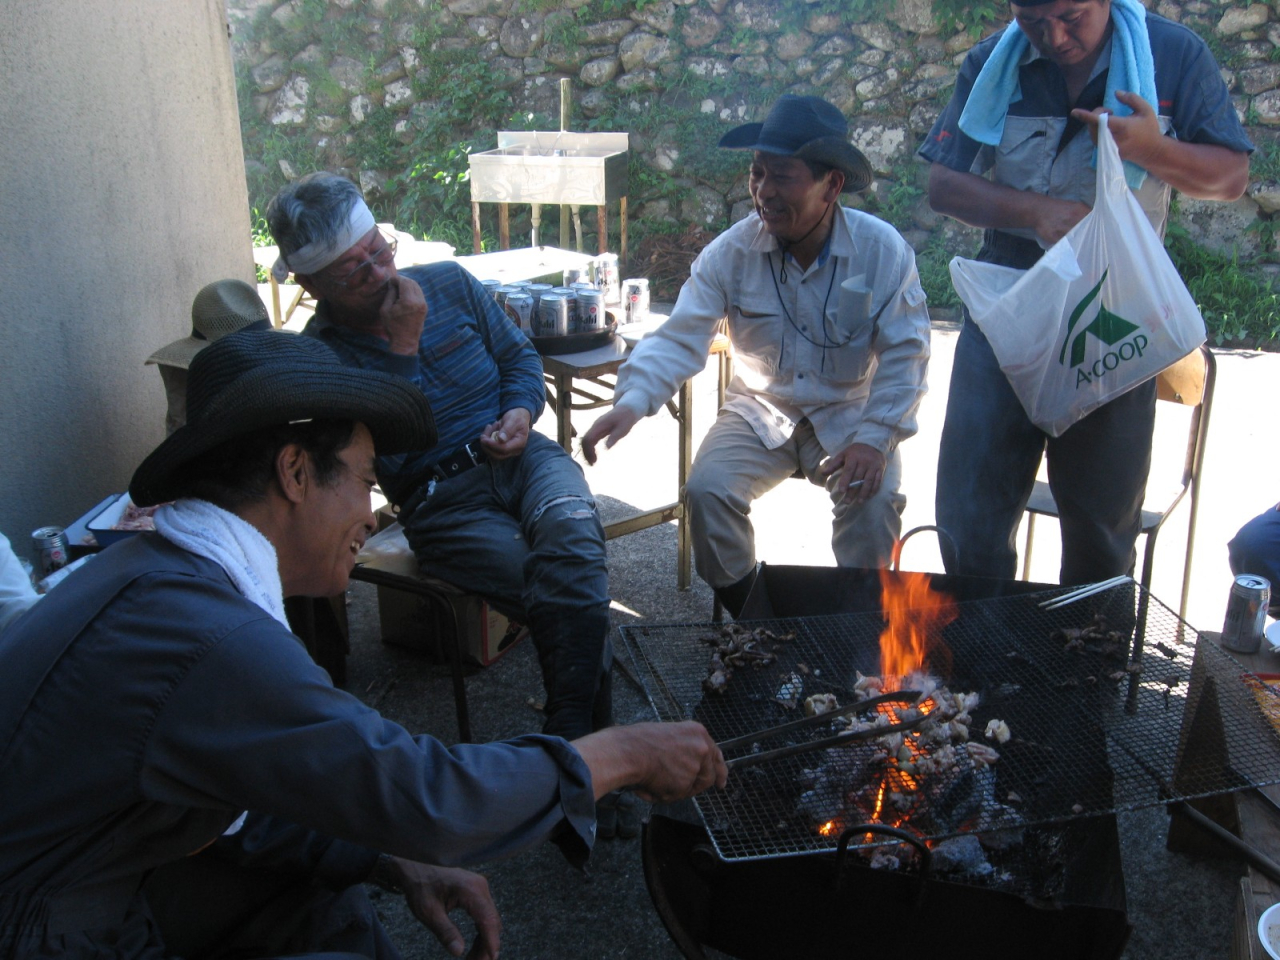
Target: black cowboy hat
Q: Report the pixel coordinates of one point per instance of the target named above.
(807, 128)
(254, 379)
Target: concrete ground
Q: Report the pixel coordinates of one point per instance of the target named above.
(1180, 907)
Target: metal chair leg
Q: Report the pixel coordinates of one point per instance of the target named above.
(1026, 550)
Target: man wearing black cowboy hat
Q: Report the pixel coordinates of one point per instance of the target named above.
(158, 695)
(830, 341)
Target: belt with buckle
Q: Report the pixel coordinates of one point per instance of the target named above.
(460, 461)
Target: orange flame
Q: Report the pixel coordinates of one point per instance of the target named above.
(915, 615)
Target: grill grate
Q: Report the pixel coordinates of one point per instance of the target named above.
(1083, 743)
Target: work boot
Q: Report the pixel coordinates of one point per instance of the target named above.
(734, 597)
(575, 656)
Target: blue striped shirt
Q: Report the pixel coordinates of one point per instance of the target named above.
(473, 365)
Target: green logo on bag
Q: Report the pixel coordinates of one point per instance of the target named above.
(1108, 327)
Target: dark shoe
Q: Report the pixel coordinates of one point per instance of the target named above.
(734, 597)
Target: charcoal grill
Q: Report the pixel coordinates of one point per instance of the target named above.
(1090, 739)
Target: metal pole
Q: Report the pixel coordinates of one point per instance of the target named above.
(566, 104)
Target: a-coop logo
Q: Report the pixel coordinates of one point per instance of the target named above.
(1108, 327)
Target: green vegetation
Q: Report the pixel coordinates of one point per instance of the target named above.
(1241, 308)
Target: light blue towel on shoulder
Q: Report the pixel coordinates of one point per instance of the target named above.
(1132, 68)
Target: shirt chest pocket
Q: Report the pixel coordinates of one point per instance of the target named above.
(1024, 156)
(850, 329)
(757, 337)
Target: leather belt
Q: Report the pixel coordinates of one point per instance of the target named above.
(460, 461)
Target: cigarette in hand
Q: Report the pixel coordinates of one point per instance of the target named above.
(856, 483)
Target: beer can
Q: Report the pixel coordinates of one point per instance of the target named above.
(571, 297)
(1246, 613)
(591, 311)
(572, 275)
(518, 283)
(635, 300)
(519, 307)
(553, 315)
(536, 290)
(604, 274)
(51, 549)
(501, 294)
(492, 286)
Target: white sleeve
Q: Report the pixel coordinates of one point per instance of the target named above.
(16, 592)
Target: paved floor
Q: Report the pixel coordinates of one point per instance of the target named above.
(1180, 907)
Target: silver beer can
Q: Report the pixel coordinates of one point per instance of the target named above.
(536, 290)
(501, 293)
(1246, 613)
(519, 307)
(635, 300)
(604, 274)
(571, 297)
(592, 317)
(492, 286)
(51, 550)
(553, 316)
(572, 275)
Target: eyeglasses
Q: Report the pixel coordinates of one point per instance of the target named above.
(360, 275)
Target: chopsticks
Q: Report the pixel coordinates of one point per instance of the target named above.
(1087, 590)
(904, 697)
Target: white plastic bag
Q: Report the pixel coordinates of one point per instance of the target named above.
(1101, 312)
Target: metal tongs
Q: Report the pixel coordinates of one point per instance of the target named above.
(905, 697)
(1087, 590)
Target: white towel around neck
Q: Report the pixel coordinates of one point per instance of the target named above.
(232, 543)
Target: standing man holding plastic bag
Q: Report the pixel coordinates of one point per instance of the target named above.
(1013, 153)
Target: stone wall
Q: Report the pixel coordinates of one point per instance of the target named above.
(673, 73)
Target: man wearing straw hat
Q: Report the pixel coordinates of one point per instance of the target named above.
(159, 695)
(830, 342)
(1013, 154)
(219, 308)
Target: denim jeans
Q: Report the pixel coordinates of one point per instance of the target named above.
(987, 465)
(524, 534)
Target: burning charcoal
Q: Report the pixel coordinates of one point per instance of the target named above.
(998, 731)
(881, 859)
(820, 703)
(962, 854)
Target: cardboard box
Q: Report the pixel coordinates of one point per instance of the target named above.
(430, 624)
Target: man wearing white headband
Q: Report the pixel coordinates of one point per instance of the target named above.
(493, 507)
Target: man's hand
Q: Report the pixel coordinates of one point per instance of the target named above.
(402, 314)
(1054, 218)
(614, 425)
(663, 762)
(431, 892)
(508, 435)
(858, 470)
(1137, 136)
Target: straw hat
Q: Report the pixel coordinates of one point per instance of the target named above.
(807, 128)
(255, 379)
(220, 308)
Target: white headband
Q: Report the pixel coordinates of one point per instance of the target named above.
(318, 255)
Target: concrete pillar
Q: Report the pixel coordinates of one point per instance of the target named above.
(123, 192)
